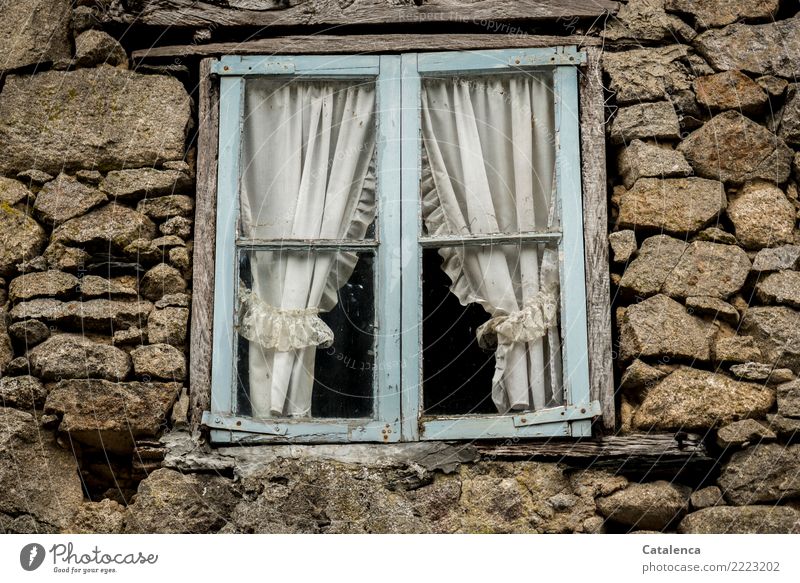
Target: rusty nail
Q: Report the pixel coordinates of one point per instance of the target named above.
(583, 410)
(524, 420)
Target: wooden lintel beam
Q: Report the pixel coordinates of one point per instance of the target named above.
(361, 44)
(261, 13)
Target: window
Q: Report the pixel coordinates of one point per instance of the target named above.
(399, 249)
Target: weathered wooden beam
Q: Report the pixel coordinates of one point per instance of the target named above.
(490, 14)
(362, 44)
(204, 238)
(595, 233)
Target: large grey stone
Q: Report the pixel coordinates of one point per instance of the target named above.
(646, 274)
(789, 126)
(742, 520)
(102, 118)
(715, 13)
(735, 149)
(13, 191)
(23, 392)
(660, 327)
(651, 74)
(764, 49)
(673, 205)
(781, 287)
(108, 415)
(37, 477)
(644, 121)
(71, 356)
(776, 331)
(690, 399)
(33, 32)
(21, 238)
(651, 506)
(645, 160)
(55, 284)
(708, 269)
(99, 314)
(111, 225)
(140, 182)
(159, 361)
(95, 47)
(730, 90)
(646, 20)
(762, 216)
(762, 474)
(777, 258)
(65, 198)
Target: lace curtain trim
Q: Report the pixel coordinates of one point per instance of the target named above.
(539, 314)
(280, 329)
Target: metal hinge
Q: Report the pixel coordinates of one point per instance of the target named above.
(567, 413)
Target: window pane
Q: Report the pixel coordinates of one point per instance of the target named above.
(490, 329)
(305, 345)
(308, 163)
(488, 155)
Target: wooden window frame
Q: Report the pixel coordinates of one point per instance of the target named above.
(595, 384)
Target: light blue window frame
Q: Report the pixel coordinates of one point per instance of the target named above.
(397, 413)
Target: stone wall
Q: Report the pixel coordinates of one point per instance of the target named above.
(96, 216)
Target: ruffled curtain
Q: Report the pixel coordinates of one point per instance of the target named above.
(488, 167)
(308, 174)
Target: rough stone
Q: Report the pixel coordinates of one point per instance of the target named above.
(673, 205)
(99, 314)
(178, 226)
(165, 207)
(34, 178)
(646, 20)
(782, 287)
(789, 399)
(645, 160)
(735, 149)
(159, 361)
(71, 356)
(759, 372)
(22, 392)
(623, 245)
(37, 477)
(60, 257)
(777, 258)
(104, 118)
(43, 38)
(776, 331)
(153, 251)
(93, 286)
(108, 415)
(56, 284)
(742, 520)
(644, 121)
(652, 506)
(660, 327)
(751, 48)
(789, 126)
(690, 399)
(716, 235)
(132, 335)
(716, 13)
(730, 90)
(774, 86)
(713, 308)
(168, 326)
(160, 281)
(736, 349)
(762, 474)
(17, 367)
(742, 433)
(13, 191)
(21, 238)
(95, 47)
(640, 375)
(708, 269)
(112, 224)
(706, 498)
(103, 517)
(786, 427)
(140, 182)
(650, 74)
(180, 258)
(762, 216)
(29, 332)
(169, 502)
(65, 198)
(177, 300)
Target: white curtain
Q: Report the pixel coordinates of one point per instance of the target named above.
(308, 174)
(488, 167)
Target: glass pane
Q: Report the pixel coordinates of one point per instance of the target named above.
(488, 154)
(308, 159)
(306, 342)
(490, 329)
